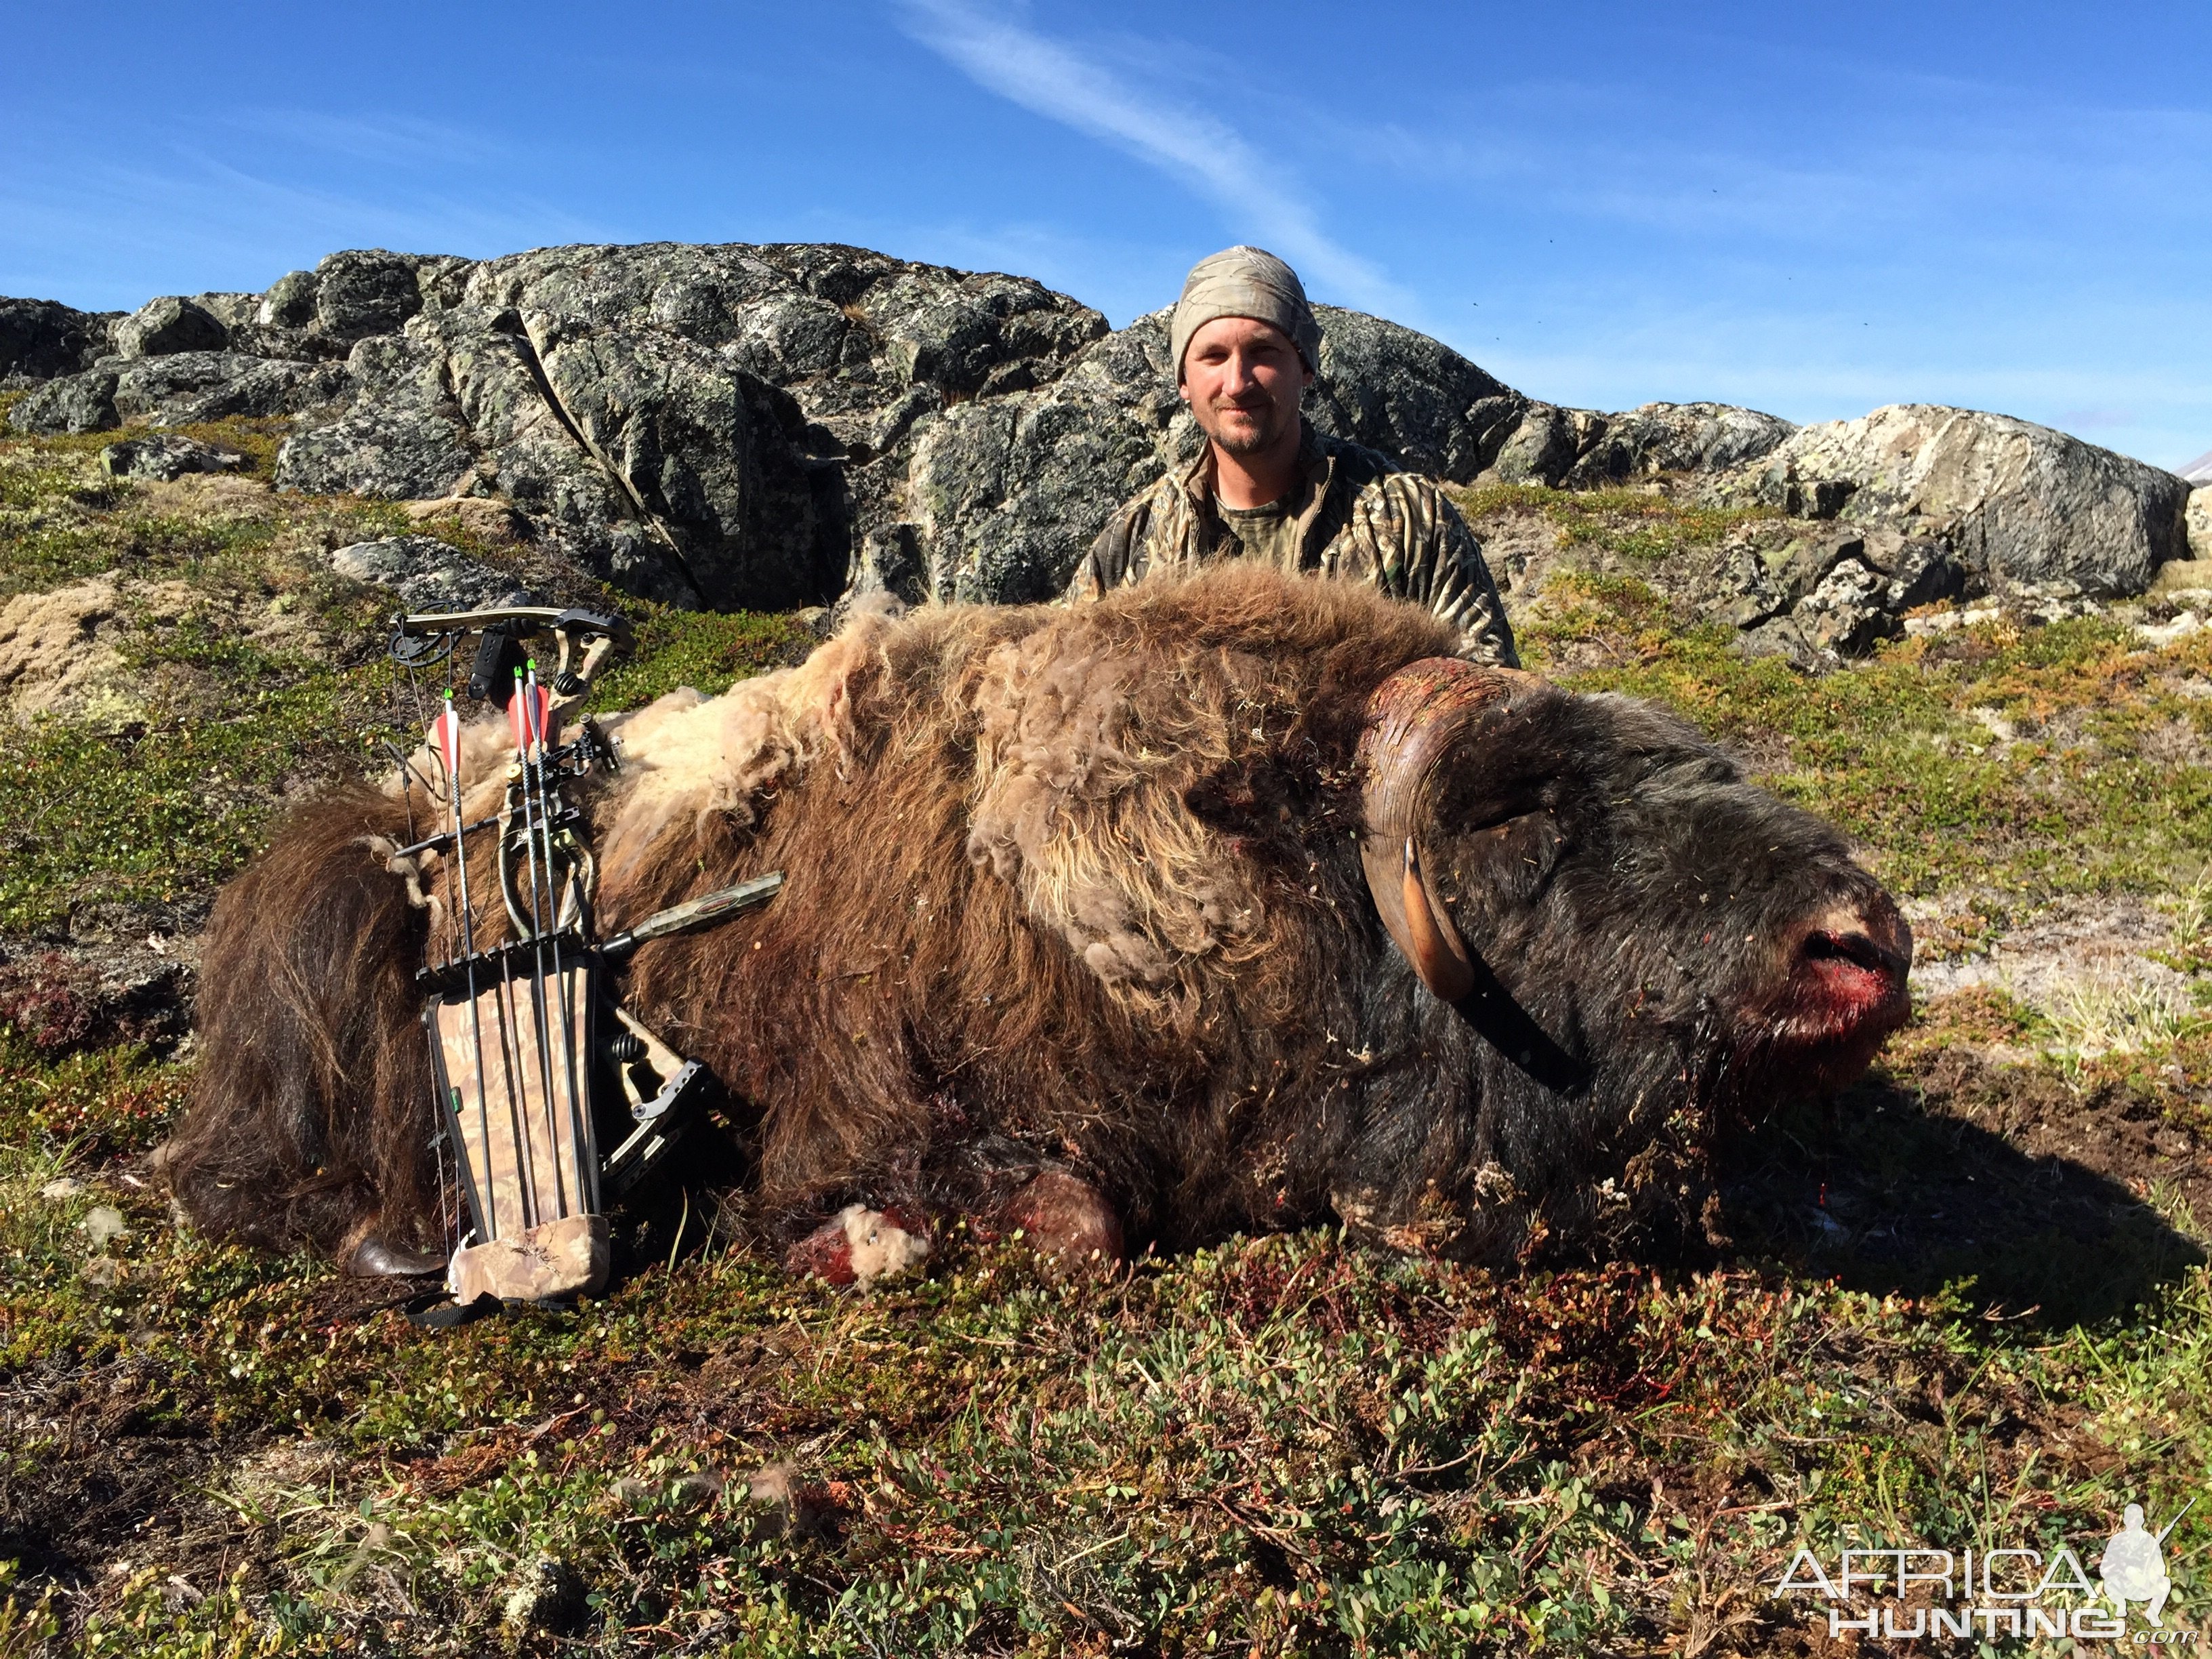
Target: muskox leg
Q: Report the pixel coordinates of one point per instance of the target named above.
(1064, 1219)
(310, 1121)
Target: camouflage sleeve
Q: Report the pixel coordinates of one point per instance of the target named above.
(1437, 563)
(1106, 566)
(1463, 592)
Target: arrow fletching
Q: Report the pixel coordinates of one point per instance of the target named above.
(526, 714)
(446, 738)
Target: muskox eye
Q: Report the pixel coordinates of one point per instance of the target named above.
(1508, 861)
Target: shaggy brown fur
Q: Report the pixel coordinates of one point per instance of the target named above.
(1081, 888)
(311, 1122)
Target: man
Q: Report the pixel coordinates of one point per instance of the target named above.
(1269, 487)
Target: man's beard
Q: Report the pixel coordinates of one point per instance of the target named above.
(1265, 432)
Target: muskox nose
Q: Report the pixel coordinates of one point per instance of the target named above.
(1871, 937)
(1848, 969)
(1840, 991)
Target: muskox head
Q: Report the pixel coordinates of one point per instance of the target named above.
(1624, 947)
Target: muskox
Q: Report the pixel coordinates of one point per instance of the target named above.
(1232, 903)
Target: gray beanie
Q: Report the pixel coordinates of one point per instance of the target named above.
(1244, 281)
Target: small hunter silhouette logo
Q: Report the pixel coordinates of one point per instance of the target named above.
(2133, 1565)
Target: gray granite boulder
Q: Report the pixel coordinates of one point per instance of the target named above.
(402, 439)
(427, 574)
(1543, 446)
(1660, 439)
(177, 389)
(42, 338)
(190, 386)
(169, 324)
(2017, 504)
(82, 402)
(289, 302)
(166, 455)
(365, 291)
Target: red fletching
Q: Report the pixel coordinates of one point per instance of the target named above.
(446, 738)
(526, 714)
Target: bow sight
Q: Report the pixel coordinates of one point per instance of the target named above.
(533, 1065)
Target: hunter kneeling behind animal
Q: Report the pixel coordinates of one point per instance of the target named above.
(1268, 486)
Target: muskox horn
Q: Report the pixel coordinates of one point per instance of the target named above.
(1431, 944)
(1415, 719)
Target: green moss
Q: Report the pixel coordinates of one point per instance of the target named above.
(706, 650)
(1645, 527)
(1892, 751)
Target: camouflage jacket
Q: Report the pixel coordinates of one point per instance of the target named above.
(1363, 520)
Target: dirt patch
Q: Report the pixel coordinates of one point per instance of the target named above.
(2070, 940)
(1960, 1168)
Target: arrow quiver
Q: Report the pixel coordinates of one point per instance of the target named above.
(535, 1069)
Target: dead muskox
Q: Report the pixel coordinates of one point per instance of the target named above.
(1233, 899)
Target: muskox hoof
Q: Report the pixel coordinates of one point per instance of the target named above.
(374, 1259)
(1066, 1218)
(858, 1246)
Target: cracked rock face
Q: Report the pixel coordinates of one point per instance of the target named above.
(765, 426)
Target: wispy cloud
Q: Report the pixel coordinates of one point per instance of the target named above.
(1257, 195)
(183, 219)
(376, 138)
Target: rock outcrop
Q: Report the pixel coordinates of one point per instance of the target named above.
(40, 339)
(765, 426)
(2020, 506)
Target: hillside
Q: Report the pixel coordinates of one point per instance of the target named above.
(1968, 1303)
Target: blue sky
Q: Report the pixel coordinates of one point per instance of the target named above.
(1811, 210)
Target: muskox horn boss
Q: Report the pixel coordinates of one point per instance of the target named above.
(1423, 717)
(1418, 719)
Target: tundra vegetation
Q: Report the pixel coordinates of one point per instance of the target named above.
(1967, 1305)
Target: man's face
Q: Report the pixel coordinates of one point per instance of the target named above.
(1242, 379)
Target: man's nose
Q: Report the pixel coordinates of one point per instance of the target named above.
(1240, 378)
